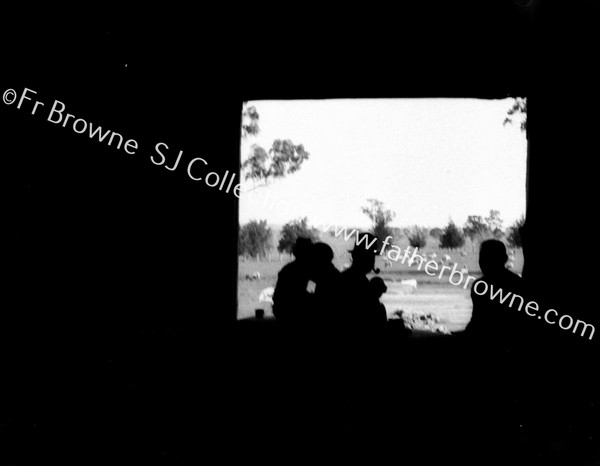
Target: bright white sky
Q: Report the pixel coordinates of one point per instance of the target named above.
(426, 159)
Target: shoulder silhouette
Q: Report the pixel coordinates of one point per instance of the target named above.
(494, 320)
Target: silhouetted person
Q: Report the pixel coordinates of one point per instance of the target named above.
(493, 339)
(493, 324)
(291, 300)
(361, 332)
(361, 308)
(323, 351)
(327, 279)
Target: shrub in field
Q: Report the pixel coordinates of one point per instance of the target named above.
(452, 237)
(418, 238)
(436, 233)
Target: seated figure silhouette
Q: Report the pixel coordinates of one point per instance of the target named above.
(495, 324)
(361, 307)
(291, 298)
(360, 336)
(327, 279)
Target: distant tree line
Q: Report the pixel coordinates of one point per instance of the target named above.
(256, 237)
(476, 228)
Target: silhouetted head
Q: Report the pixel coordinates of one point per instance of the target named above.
(492, 257)
(302, 247)
(378, 286)
(363, 254)
(321, 257)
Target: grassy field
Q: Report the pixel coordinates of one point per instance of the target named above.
(451, 303)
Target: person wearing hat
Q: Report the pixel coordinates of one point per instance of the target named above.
(361, 304)
(361, 332)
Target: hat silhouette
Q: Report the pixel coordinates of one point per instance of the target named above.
(366, 243)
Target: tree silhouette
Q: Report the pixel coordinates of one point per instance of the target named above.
(263, 166)
(250, 119)
(254, 238)
(514, 233)
(494, 223)
(476, 229)
(380, 217)
(518, 108)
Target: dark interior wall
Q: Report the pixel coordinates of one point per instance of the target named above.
(117, 272)
(106, 229)
(562, 136)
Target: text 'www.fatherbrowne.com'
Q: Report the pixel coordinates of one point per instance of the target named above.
(393, 253)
